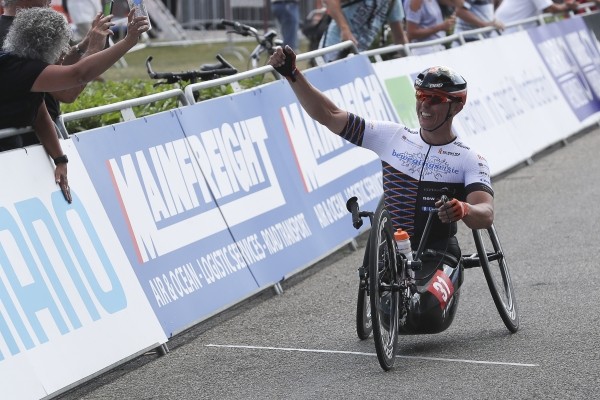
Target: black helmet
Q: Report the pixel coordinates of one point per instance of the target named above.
(443, 79)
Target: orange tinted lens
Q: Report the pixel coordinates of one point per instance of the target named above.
(432, 99)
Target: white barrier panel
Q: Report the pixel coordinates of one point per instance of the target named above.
(70, 304)
(515, 107)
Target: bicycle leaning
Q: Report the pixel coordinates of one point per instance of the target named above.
(399, 296)
(206, 72)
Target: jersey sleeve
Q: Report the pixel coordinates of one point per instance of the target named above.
(477, 174)
(370, 134)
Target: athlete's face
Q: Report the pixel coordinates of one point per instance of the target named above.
(433, 107)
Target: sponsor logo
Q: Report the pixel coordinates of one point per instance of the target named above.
(169, 190)
(448, 153)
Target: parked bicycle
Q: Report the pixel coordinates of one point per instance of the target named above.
(265, 43)
(398, 296)
(205, 73)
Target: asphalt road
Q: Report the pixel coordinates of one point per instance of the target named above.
(302, 344)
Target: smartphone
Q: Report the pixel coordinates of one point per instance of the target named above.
(107, 7)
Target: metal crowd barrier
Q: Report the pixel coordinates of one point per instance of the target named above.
(124, 107)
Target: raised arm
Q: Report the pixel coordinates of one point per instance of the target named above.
(92, 43)
(314, 102)
(60, 77)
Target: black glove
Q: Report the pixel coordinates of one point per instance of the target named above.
(288, 69)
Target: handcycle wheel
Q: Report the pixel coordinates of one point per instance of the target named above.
(382, 278)
(495, 269)
(364, 325)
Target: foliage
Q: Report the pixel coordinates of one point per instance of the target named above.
(129, 80)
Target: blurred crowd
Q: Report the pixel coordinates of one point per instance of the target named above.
(413, 21)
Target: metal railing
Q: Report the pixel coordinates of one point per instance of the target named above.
(125, 108)
(191, 89)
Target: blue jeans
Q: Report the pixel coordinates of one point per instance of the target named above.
(287, 14)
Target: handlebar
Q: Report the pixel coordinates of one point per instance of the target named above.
(352, 206)
(240, 29)
(444, 198)
(205, 73)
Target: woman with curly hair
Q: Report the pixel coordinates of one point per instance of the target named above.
(37, 39)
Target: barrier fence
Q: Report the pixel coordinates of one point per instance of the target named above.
(179, 215)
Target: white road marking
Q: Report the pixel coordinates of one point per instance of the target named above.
(371, 354)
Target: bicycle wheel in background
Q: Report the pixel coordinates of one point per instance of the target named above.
(382, 276)
(495, 268)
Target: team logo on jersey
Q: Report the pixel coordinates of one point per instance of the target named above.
(448, 153)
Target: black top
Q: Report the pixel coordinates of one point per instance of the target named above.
(18, 104)
(5, 23)
(52, 104)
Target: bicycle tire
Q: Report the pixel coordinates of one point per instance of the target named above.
(382, 277)
(364, 324)
(495, 268)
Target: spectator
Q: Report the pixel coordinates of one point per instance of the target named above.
(425, 22)
(361, 21)
(287, 13)
(82, 12)
(510, 11)
(93, 42)
(315, 25)
(475, 14)
(36, 40)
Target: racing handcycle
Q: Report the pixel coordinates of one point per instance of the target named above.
(400, 296)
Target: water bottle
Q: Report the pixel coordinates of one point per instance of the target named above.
(140, 10)
(403, 242)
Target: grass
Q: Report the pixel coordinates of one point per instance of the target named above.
(181, 58)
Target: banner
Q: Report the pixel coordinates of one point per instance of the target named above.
(158, 190)
(70, 304)
(288, 178)
(570, 52)
(510, 95)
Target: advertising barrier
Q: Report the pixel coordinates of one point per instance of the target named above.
(70, 304)
(211, 210)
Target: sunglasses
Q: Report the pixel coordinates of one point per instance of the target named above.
(434, 99)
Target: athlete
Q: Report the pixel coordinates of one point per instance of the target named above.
(418, 165)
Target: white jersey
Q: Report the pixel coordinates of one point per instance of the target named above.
(415, 172)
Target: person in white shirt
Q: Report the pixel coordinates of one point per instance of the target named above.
(511, 11)
(82, 13)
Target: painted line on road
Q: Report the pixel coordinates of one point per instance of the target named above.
(371, 354)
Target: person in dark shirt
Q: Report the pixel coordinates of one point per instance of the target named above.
(37, 39)
(93, 42)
